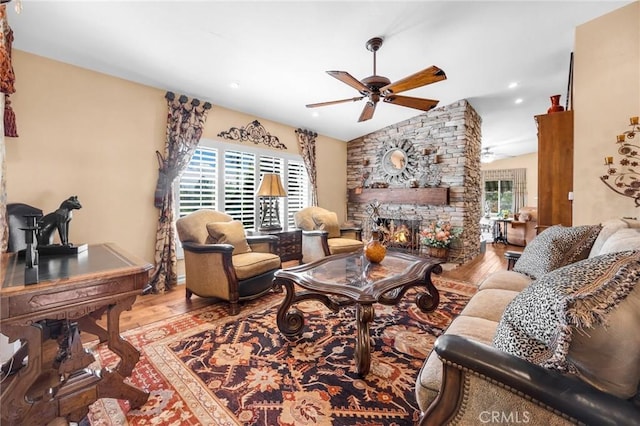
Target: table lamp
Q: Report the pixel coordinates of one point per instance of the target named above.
(270, 191)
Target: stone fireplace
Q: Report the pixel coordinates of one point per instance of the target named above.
(438, 178)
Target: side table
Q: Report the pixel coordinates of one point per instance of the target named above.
(289, 246)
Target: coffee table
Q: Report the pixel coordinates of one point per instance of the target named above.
(349, 279)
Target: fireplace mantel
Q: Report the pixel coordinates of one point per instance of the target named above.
(421, 196)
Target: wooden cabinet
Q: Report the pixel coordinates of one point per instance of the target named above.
(555, 168)
(289, 246)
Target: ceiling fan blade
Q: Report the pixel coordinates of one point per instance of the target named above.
(407, 101)
(421, 78)
(319, 104)
(367, 112)
(347, 78)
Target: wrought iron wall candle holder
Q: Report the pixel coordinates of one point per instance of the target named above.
(625, 179)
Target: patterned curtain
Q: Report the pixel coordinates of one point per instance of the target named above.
(307, 148)
(7, 77)
(185, 122)
(519, 179)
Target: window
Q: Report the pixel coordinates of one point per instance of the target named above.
(503, 189)
(498, 196)
(226, 177)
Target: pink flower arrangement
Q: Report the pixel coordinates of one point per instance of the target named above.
(439, 234)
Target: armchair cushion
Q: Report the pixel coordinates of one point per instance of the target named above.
(229, 233)
(251, 264)
(577, 319)
(327, 221)
(555, 247)
(344, 245)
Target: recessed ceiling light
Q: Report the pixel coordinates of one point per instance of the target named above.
(518, 101)
(513, 85)
(234, 85)
(315, 114)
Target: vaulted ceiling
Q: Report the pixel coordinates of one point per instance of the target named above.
(276, 53)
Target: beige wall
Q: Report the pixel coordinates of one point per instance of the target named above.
(606, 94)
(529, 162)
(88, 134)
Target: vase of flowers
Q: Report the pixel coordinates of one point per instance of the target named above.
(437, 237)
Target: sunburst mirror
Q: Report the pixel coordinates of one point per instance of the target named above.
(397, 161)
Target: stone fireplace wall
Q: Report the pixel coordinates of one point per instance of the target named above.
(446, 143)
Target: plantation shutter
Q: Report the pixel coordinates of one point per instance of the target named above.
(198, 182)
(240, 186)
(297, 185)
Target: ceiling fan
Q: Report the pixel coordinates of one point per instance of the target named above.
(487, 156)
(377, 87)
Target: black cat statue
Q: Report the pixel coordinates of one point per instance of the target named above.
(58, 221)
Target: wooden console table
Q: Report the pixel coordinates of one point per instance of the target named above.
(73, 292)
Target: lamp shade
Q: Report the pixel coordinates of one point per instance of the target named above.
(271, 186)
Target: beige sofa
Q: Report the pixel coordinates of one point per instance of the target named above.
(467, 380)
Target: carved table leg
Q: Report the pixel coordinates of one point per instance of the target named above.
(364, 315)
(428, 302)
(112, 384)
(88, 324)
(289, 323)
(15, 406)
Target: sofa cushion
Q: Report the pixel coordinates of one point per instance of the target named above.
(622, 240)
(555, 247)
(229, 233)
(327, 221)
(540, 323)
(506, 280)
(430, 376)
(489, 304)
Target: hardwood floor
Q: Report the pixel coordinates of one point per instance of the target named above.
(155, 307)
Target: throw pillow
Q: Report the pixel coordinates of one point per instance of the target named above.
(555, 247)
(558, 322)
(229, 233)
(621, 240)
(327, 221)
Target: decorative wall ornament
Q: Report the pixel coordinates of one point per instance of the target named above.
(625, 180)
(397, 161)
(253, 132)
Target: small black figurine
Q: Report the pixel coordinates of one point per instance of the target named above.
(57, 220)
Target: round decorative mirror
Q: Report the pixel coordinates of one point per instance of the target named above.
(394, 161)
(397, 161)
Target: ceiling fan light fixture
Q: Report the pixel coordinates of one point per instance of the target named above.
(487, 156)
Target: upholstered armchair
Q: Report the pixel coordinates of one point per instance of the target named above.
(221, 261)
(323, 236)
(523, 227)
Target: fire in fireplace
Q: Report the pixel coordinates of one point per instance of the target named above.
(400, 234)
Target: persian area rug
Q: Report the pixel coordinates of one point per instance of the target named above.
(206, 368)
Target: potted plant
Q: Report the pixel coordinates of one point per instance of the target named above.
(437, 237)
